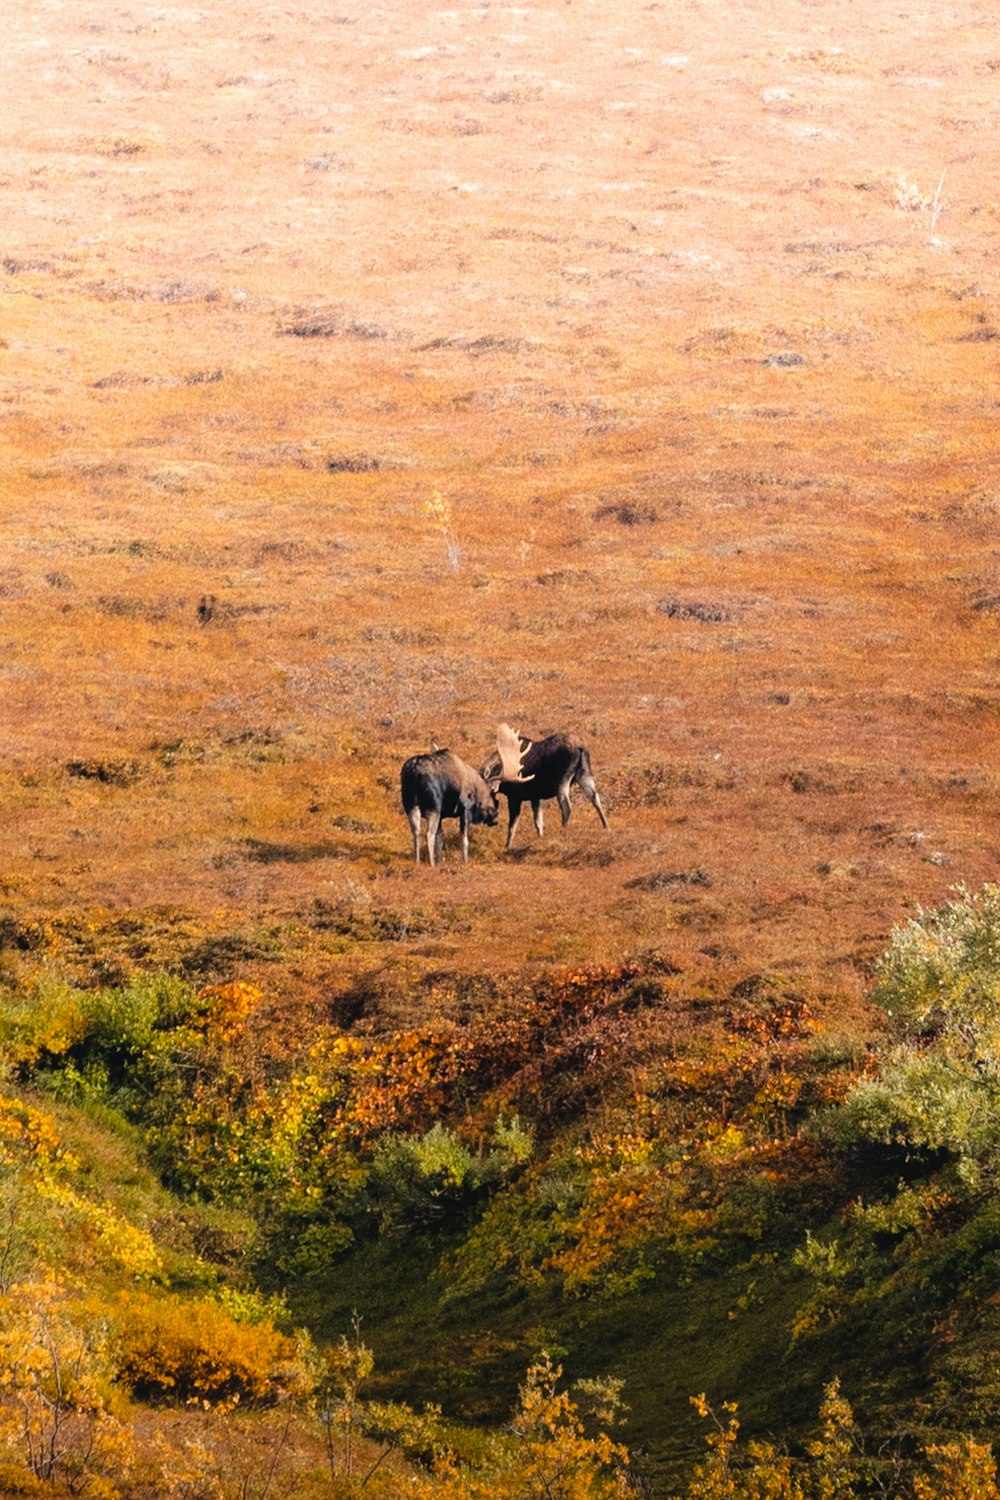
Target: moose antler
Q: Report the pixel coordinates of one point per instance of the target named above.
(511, 754)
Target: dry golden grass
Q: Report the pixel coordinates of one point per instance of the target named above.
(674, 312)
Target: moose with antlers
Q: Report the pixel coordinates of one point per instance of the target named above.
(550, 767)
(440, 785)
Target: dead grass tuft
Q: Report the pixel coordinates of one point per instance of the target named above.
(692, 609)
(628, 513)
(322, 324)
(109, 773)
(660, 880)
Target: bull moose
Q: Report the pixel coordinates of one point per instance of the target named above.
(551, 766)
(440, 785)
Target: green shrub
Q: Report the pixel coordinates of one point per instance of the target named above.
(121, 1023)
(923, 1130)
(422, 1179)
(938, 1088)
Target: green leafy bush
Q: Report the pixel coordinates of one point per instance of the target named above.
(423, 1179)
(938, 1088)
(121, 1024)
(920, 1141)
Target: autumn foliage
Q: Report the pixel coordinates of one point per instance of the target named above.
(371, 373)
(185, 1349)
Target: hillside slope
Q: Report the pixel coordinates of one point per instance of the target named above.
(373, 375)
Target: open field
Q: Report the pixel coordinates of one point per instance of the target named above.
(662, 305)
(373, 373)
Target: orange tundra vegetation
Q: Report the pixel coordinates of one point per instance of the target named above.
(374, 374)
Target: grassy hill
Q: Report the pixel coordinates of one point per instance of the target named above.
(374, 375)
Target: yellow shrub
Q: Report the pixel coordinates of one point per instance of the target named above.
(29, 1135)
(49, 1021)
(61, 1416)
(16, 1479)
(229, 1005)
(196, 1351)
(124, 1244)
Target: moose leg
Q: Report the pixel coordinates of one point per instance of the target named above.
(434, 837)
(463, 823)
(538, 814)
(589, 790)
(563, 798)
(413, 818)
(514, 805)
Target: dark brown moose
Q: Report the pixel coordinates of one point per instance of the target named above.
(439, 786)
(552, 766)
